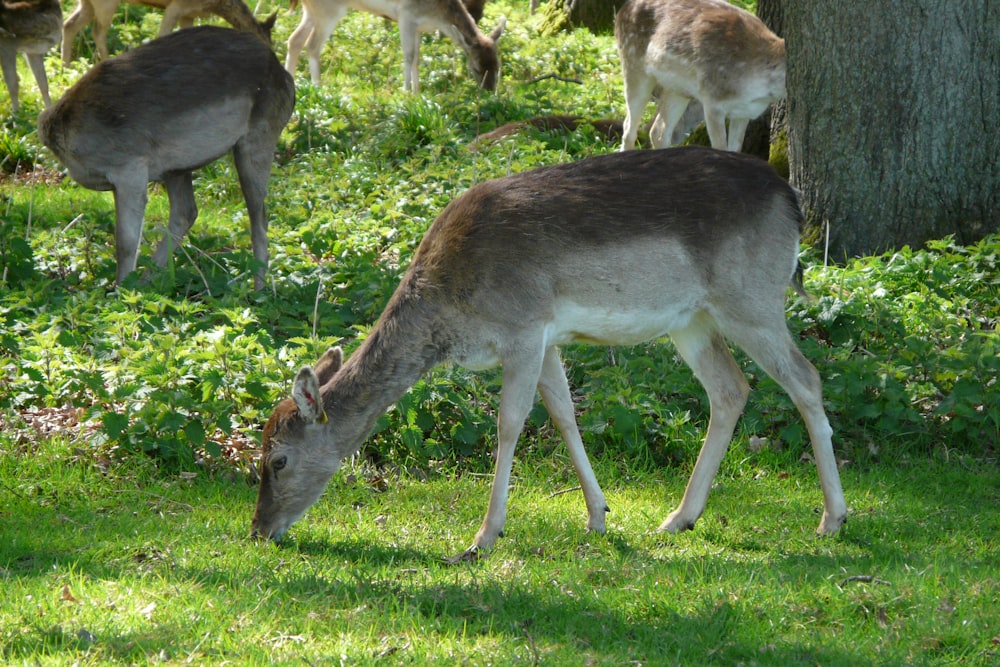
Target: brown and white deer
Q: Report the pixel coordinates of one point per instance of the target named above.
(693, 243)
(182, 12)
(451, 17)
(707, 50)
(31, 27)
(164, 109)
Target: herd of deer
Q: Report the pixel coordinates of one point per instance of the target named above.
(692, 243)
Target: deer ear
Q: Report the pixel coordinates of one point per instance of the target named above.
(305, 393)
(328, 364)
(497, 31)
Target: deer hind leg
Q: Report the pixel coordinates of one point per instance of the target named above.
(706, 352)
(554, 389)
(774, 351)
(130, 208)
(183, 212)
(253, 156)
(521, 374)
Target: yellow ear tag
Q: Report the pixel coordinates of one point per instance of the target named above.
(322, 417)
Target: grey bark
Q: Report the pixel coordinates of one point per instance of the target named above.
(893, 114)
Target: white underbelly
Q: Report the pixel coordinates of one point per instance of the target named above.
(611, 325)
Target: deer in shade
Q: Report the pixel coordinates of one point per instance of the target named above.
(451, 17)
(164, 109)
(175, 12)
(31, 27)
(692, 243)
(706, 50)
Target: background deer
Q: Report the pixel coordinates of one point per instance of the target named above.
(160, 111)
(699, 245)
(175, 12)
(31, 27)
(707, 50)
(320, 17)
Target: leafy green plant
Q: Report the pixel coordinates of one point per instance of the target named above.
(182, 360)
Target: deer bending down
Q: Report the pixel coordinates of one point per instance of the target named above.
(160, 111)
(320, 17)
(700, 245)
(182, 12)
(31, 27)
(707, 50)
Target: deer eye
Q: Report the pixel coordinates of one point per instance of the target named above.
(279, 463)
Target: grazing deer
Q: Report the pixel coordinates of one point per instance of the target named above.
(164, 109)
(175, 12)
(31, 27)
(707, 50)
(700, 245)
(320, 17)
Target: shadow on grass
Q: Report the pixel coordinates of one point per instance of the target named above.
(897, 520)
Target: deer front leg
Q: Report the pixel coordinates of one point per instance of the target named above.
(130, 208)
(670, 109)
(80, 17)
(520, 377)
(36, 62)
(171, 15)
(410, 41)
(737, 130)
(9, 63)
(715, 123)
(709, 357)
(554, 389)
(296, 42)
(638, 89)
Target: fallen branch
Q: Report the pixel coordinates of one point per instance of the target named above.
(556, 77)
(865, 579)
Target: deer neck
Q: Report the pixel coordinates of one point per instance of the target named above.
(460, 27)
(398, 351)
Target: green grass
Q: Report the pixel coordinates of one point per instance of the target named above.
(125, 565)
(129, 420)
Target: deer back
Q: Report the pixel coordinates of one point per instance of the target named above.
(152, 102)
(31, 22)
(704, 48)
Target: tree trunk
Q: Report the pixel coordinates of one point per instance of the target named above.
(596, 15)
(893, 115)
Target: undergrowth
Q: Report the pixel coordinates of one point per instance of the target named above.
(181, 365)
